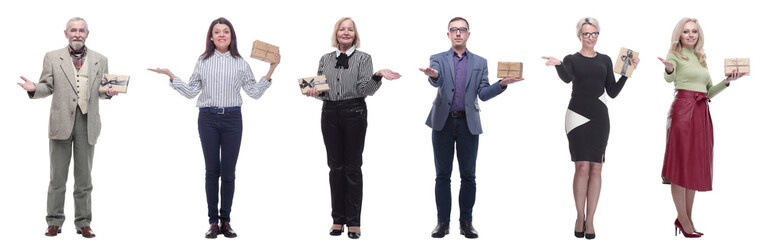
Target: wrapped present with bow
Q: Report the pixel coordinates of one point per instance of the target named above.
(318, 81)
(112, 81)
(742, 65)
(624, 64)
(509, 70)
(264, 51)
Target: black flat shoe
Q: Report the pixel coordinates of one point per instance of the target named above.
(337, 232)
(442, 229)
(354, 235)
(468, 231)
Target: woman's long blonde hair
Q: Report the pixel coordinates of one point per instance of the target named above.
(676, 41)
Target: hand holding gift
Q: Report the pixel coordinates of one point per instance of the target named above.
(273, 65)
(312, 92)
(111, 92)
(506, 81)
(267, 53)
(735, 75)
(276, 56)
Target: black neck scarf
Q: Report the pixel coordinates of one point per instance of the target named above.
(342, 61)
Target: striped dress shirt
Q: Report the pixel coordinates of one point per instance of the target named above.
(220, 78)
(358, 81)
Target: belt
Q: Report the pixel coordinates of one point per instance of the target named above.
(343, 103)
(698, 96)
(219, 110)
(458, 114)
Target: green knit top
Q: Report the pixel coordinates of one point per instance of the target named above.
(690, 75)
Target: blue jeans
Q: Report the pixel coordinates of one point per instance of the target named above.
(455, 135)
(220, 135)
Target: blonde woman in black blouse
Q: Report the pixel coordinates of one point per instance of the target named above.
(349, 73)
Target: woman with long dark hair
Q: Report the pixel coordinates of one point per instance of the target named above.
(219, 75)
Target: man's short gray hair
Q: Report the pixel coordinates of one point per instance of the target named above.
(77, 19)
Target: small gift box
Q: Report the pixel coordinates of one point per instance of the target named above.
(624, 63)
(742, 65)
(509, 69)
(264, 51)
(308, 82)
(113, 81)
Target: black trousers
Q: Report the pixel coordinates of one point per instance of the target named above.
(344, 124)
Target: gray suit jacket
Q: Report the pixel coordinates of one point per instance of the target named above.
(58, 79)
(477, 85)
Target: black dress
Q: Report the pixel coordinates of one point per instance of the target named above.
(587, 122)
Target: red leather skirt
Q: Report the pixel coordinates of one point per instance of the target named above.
(689, 142)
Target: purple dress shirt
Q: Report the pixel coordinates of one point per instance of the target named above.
(461, 65)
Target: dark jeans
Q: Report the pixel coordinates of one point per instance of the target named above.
(344, 124)
(455, 135)
(220, 135)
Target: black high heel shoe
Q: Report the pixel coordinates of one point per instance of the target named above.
(354, 235)
(580, 234)
(588, 235)
(337, 232)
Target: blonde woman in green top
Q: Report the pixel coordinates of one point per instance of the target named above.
(688, 161)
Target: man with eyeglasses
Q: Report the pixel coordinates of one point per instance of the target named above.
(460, 77)
(71, 75)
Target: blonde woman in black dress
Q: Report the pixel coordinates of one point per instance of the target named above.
(587, 121)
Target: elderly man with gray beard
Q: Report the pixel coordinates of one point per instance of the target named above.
(71, 75)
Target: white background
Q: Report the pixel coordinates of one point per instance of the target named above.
(148, 170)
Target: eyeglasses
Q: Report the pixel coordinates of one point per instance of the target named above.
(590, 34)
(455, 30)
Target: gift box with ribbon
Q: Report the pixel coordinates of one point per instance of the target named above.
(318, 81)
(112, 81)
(742, 65)
(264, 51)
(624, 64)
(509, 69)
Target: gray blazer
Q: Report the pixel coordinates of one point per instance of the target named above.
(58, 79)
(477, 85)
